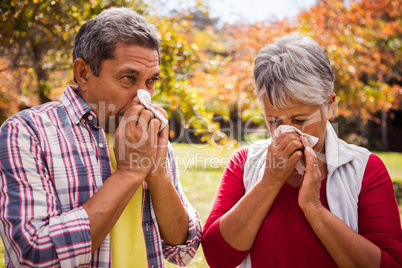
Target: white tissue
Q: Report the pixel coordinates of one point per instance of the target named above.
(300, 165)
(145, 99)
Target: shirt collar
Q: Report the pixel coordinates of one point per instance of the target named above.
(336, 153)
(76, 107)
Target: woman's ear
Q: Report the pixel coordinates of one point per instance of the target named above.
(331, 106)
(81, 71)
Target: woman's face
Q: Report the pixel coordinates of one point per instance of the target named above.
(310, 119)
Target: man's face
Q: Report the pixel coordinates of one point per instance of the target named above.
(111, 93)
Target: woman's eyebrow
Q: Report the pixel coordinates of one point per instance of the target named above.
(297, 115)
(293, 116)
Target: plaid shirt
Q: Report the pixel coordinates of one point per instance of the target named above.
(53, 158)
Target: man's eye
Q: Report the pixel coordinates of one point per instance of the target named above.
(273, 121)
(129, 78)
(151, 82)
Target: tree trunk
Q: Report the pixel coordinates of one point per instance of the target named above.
(42, 75)
(43, 84)
(384, 130)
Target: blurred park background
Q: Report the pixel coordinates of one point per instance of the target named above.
(207, 83)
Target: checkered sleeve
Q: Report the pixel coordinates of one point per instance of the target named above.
(34, 231)
(181, 255)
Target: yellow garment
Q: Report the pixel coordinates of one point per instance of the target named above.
(127, 242)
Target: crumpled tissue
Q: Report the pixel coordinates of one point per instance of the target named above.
(145, 99)
(300, 165)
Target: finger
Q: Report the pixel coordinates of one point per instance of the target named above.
(292, 147)
(294, 158)
(159, 109)
(286, 137)
(133, 109)
(136, 120)
(307, 145)
(164, 133)
(153, 130)
(135, 101)
(144, 118)
(304, 141)
(311, 157)
(311, 161)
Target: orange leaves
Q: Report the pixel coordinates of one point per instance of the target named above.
(363, 42)
(206, 69)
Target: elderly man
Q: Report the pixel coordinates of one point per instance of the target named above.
(65, 199)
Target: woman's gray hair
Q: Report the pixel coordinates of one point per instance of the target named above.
(97, 39)
(293, 68)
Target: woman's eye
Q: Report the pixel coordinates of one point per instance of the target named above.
(300, 121)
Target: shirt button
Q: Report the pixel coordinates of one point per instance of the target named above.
(82, 121)
(101, 145)
(90, 117)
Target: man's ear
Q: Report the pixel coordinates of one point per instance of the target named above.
(81, 73)
(331, 106)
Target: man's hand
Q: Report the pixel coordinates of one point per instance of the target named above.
(136, 140)
(136, 149)
(169, 210)
(159, 168)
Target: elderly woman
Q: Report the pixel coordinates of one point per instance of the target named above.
(303, 198)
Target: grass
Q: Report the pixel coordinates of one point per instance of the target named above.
(201, 178)
(201, 167)
(393, 162)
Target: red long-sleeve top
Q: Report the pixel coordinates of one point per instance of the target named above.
(286, 239)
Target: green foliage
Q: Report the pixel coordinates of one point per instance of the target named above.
(39, 35)
(180, 59)
(206, 70)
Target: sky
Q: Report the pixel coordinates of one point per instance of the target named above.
(246, 11)
(250, 11)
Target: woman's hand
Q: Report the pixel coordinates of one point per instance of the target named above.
(346, 247)
(309, 194)
(282, 156)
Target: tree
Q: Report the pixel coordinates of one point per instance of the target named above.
(226, 80)
(36, 42)
(37, 36)
(180, 60)
(364, 43)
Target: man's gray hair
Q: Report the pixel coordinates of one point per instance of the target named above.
(293, 68)
(97, 39)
